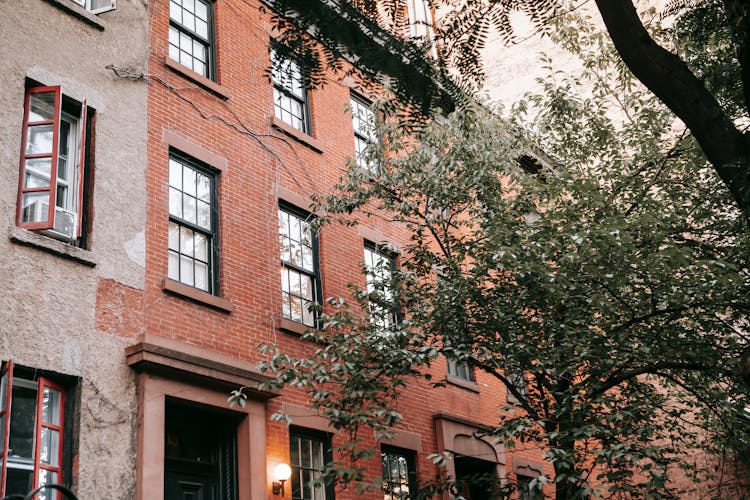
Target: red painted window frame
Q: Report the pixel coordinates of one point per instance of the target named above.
(52, 188)
(38, 465)
(6, 370)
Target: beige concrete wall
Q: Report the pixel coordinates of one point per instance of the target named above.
(47, 302)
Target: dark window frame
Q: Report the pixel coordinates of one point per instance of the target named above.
(358, 134)
(282, 58)
(392, 258)
(304, 216)
(209, 43)
(322, 437)
(461, 370)
(213, 235)
(411, 468)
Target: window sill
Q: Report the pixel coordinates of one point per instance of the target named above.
(197, 78)
(290, 326)
(297, 135)
(79, 12)
(464, 384)
(32, 239)
(199, 296)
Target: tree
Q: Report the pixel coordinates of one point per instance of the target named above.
(462, 31)
(615, 280)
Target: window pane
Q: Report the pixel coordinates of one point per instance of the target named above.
(284, 248)
(186, 270)
(204, 215)
(201, 276)
(175, 203)
(188, 179)
(201, 27)
(174, 266)
(175, 12)
(188, 208)
(3, 392)
(39, 139)
(47, 477)
(174, 236)
(204, 187)
(51, 399)
(22, 420)
(201, 10)
(42, 107)
(186, 241)
(35, 207)
(38, 172)
(19, 481)
(200, 243)
(49, 452)
(175, 174)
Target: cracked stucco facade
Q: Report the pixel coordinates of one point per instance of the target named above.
(48, 301)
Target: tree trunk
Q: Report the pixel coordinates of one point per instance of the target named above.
(566, 490)
(669, 78)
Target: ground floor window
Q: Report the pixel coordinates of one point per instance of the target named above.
(309, 451)
(32, 432)
(399, 473)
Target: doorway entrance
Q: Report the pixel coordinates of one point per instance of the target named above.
(476, 479)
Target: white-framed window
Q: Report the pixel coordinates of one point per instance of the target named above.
(363, 123)
(53, 169)
(289, 92)
(191, 35)
(97, 6)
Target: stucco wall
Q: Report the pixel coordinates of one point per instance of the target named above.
(47, 303)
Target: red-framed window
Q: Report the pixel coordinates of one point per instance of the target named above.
(32, 418)
(53, 163)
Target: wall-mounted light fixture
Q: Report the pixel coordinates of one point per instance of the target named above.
(281, 474)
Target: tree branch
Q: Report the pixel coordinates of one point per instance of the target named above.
(669, 78)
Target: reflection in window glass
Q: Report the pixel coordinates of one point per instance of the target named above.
(191, 227)
(299, 270)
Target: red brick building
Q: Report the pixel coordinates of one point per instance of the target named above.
(188, 246)
(259, 148)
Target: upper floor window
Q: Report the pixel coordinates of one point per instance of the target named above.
(420, 24)
(32, 430)
(190, 35)
(193, 224)
(309, 452)
(363, 122)
(461, 370)
(300, 273)
(289, 93)
(97, 6)
(380, 264)
(53, 164)
(399, 473)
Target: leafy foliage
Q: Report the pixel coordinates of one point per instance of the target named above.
(615, 280)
